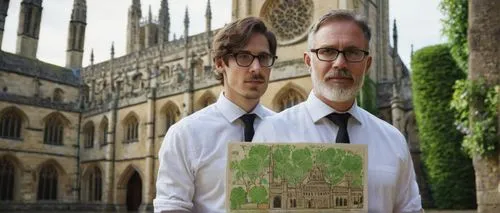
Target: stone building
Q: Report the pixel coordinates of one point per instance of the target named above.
(88, 137)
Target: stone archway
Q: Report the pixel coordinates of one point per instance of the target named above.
(134, 192)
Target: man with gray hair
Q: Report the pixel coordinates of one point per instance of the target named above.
(338, 59)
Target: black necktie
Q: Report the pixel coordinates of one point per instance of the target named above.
(341, 121)
(248, 120)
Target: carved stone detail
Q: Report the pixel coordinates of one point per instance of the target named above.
(289, 19)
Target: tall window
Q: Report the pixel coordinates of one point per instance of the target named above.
(47, 183)
(58, 95)
(171, 116)
(88, 135)
(137, 81)
(103, 132)
(132, 127)
(289, 99)
(94, 187)
(6, 180)
(53, 133)
(10, 125)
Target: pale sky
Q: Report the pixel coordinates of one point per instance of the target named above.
(418, 24)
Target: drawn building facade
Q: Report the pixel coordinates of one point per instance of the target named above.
(88, 137)
(314, 192)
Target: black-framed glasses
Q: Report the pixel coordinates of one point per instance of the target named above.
(245, 59)
(331, 54)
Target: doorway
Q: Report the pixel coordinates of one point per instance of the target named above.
(134, 192)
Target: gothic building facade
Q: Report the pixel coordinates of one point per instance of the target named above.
(87, 137)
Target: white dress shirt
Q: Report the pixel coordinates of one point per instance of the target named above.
(391, 178)
(192, 170)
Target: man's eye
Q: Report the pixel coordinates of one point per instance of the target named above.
(328, 51)
(244, 56)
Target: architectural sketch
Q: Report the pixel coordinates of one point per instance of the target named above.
(296, 178)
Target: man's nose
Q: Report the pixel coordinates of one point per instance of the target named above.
(255, 65)
(340, 62)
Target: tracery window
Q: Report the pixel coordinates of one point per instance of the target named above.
(7, 178)
(54, 131)
(47, 183)
(88, 135)
(289, 19)
(289, 99)
(94, 185)
(132, 130)
(10, 125)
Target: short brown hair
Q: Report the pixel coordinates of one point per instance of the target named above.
(339, 15)
(235, 36)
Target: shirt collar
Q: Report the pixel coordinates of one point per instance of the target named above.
(231, 111)
(318, 109)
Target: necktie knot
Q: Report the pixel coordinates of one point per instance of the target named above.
(248, 120)
(340, 119)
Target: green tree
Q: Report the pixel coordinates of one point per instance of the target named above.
(455, 26)
(484, 63)
(258, 195)
(367, 98)
(238, 197)
(449, 168)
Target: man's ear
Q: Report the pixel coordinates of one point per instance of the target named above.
(368, 64)
(219, 65)
(307, 59)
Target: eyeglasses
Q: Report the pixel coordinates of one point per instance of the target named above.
(331, 54)
(245, 59)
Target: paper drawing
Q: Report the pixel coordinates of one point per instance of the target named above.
(296, 177)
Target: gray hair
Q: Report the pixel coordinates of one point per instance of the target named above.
(339, 15)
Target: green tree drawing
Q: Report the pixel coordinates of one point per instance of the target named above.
(238, 197)
(291, 164)
(251, 170)
(337, 163)
(258, 195)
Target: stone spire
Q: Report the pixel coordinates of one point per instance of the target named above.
(186, 24)
(92, 56)
(395, 38)
(76, 35)
(113, 50)
(164, 28)
(4, 8)
(208, 17)
(133, 26)
(28, 29)
(150, 15)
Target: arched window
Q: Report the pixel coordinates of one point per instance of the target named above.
(103, 132)
(205, 100)
(171, 116)
(54, 131)
(88, 135)
(94, 185)
(10, 125)
(289, 98)
(208, 100)
(132, 130)
(137, 81)
(58, 95)
(6, 179)
(47, 183)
